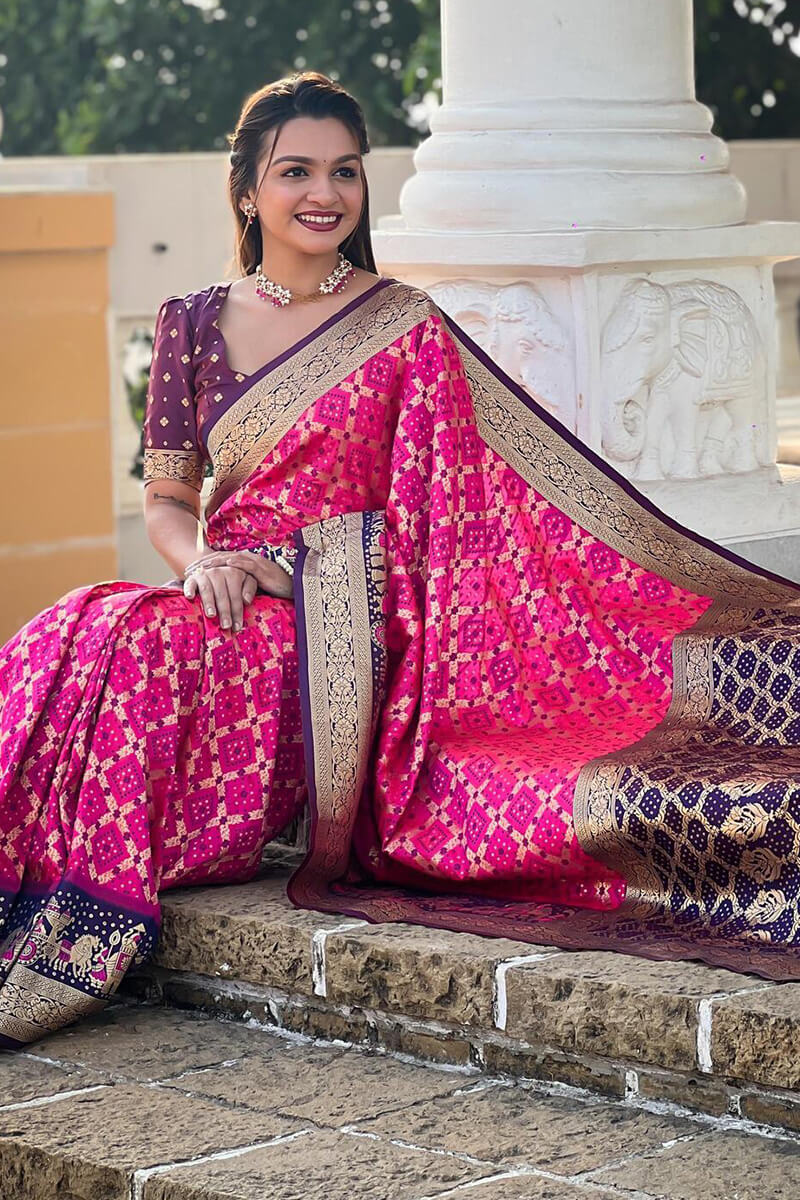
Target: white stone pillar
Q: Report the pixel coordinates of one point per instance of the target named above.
(573, 212)
(563, 114)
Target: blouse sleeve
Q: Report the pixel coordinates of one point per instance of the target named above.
(171, 446)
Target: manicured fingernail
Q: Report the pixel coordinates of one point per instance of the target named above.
(210, 612)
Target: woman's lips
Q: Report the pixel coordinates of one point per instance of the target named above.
(320, 225)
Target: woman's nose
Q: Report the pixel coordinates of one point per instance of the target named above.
(323, 189)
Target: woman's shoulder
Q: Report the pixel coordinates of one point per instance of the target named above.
(193, 305)
(416, 296)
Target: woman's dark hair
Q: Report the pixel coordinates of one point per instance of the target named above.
(304, 94)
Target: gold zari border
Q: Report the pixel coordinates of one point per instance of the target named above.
(184, 466)
(34, 1004)
(339, 673)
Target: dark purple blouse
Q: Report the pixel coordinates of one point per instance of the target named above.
(190, 387)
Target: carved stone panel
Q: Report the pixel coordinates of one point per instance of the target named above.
(683, 381)
(521, 331)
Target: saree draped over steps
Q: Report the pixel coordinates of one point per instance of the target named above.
(519, 699)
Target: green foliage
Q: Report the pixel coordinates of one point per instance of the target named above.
(106, 76)
(136, 373)
(748, 69)
(102, 76)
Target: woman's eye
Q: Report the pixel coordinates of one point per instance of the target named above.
(350, 175)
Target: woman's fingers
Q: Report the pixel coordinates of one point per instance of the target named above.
(224, 591)
(206, 593)
(236, 579)
(271, 577)
(212, 558)
(249, 589)
(222, 598)
(254, 564)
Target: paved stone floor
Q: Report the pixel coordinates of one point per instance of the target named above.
(153, 1104)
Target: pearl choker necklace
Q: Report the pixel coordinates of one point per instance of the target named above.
(267, 289)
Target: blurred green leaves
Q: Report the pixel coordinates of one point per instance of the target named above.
(104, 76)
(107, 76)
(748, 69)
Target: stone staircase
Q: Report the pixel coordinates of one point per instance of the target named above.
(154, 1104)
(326, 1057)
(710, 1039)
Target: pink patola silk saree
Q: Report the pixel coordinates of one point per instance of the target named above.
(518, 699)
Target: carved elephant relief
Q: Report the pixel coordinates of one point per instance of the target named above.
(682, 375)
(518, 330)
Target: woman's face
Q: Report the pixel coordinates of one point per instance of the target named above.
(315, 170)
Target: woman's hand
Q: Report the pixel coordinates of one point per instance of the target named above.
(269, 577)
(227, 581)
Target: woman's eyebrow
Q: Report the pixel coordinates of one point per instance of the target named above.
(302, 159)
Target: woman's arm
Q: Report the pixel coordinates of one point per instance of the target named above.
(173, 456)
(172, 520)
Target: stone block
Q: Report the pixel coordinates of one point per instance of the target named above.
(141, 985)
(46, 519)
(242, 1001)
(430, 1046)
(330, 1087)
(716, 1164)
(515, 1126)
(89, 1147)
(692, 1091)
(317, 1165)
(146, 1044)
(524, 1062)
(429, 973)
(249, 932)
(348, 1025)
(756, 1037)
(615, 1005)
(525, 1186)
(237, 1001)
(767, 1108)
(26, 1078)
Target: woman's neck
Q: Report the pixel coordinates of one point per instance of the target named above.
(300, 272)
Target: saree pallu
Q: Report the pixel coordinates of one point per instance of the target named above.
(536, 707)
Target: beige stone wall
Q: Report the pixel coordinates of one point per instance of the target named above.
(56, 520)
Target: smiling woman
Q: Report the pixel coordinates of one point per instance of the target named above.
(518, 699)
(297, 210)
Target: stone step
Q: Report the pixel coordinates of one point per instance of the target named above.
(151, 1104)
(712, 1040)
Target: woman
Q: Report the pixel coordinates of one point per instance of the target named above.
(419, 603)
